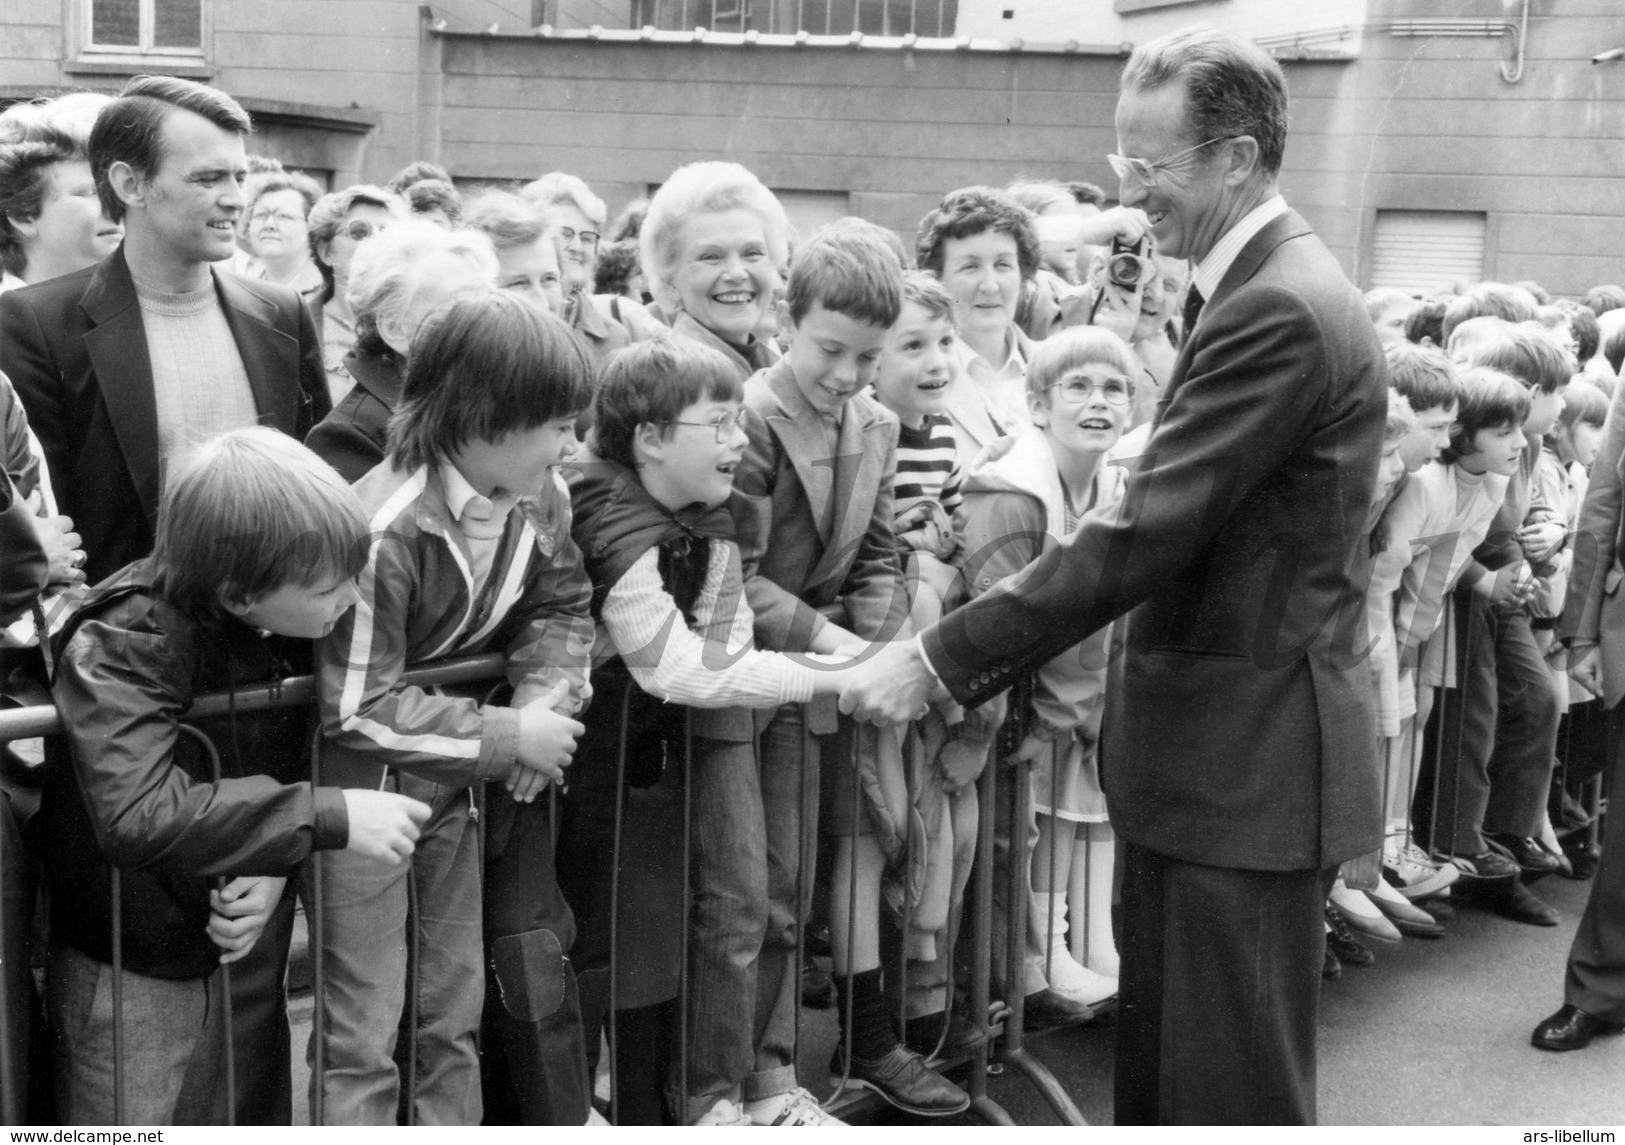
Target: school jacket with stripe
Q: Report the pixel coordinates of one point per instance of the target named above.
(417, 605)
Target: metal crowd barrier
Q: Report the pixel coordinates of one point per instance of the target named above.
(1002, 1022)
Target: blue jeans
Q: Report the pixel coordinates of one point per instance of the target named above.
(729, 851)
(789, 776)
(364, 914)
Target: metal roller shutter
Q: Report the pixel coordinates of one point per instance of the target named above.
(1427, 251)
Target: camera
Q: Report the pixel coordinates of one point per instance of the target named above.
(1127, 266)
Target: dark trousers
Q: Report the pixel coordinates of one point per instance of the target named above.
(533, 1061)
(1595, 980)
(1219, 994)
(1488, 765)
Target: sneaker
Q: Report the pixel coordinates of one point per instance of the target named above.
(1484, 866)
(904, 1081)
(725, 1112)
(798, 1107)
(1408, 918)
(1341, 942)
(1361, 914)
(1409, 871)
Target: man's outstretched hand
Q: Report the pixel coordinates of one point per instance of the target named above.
(892, 687)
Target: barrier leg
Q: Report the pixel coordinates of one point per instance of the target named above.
(318, 965)
(981, 968)
(685, 1083)
(1014, 1051)
(612, 1020)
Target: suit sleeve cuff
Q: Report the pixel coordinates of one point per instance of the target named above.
(332, 814)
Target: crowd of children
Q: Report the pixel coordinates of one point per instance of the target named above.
(795, 448)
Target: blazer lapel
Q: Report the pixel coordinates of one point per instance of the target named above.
(856, 473)
(802, 435)
(270, 356)
(1277, 231)
(117, 346)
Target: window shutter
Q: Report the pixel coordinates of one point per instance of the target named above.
(1427, 251)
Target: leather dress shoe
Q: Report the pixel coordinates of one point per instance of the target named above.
(1530, 856)
(903, 1080)
(1330, 968)
(1583, 860)
(1571, 1028)
(963, 1037)
(1048, 1008)
(1486, 866)
(1520, 904)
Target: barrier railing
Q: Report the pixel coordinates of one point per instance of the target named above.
(1001, 1022)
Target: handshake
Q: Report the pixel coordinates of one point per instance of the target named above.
(892, 684)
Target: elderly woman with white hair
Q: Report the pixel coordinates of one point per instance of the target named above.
(713, 244)
(396, 280)
(576, 217)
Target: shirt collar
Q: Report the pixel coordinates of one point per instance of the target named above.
(1210, 273)
(460, 494)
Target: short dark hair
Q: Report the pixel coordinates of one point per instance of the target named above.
(1614, 349)
(1604, 298)
(485, 364)
(1583, 402)
(415, 172)
(427, 194)
(968, 212)
(1525, 352)
(617, 264)
(927, 292)
(1087, 194)
(848, 270)
(25, 178)
(129, 129)
(250, 511)
(1232, 87)
(1583, 325)
(309, 190)
(1423, 374)
(1489, 400)
(1427, 321)
(1487, 300)
(650, 383)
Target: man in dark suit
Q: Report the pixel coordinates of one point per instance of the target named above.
(123, 364)
(1593, 628)
(1239, 757)
(153, 348)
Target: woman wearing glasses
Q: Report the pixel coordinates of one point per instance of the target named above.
(278, 235)
(338, 224)
(577, 217)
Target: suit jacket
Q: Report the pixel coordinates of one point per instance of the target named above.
(76, 349)
(1239, 728)
(1595, 611)
(815, 533)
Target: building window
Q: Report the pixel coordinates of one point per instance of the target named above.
(1427, 251)
(818, 17)
(145, 27)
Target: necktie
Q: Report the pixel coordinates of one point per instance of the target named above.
(1193, 308)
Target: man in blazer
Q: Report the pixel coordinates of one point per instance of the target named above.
(137, 357)
(113, 381)
(1238, 757)
(1593, 627)
(813, 515)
